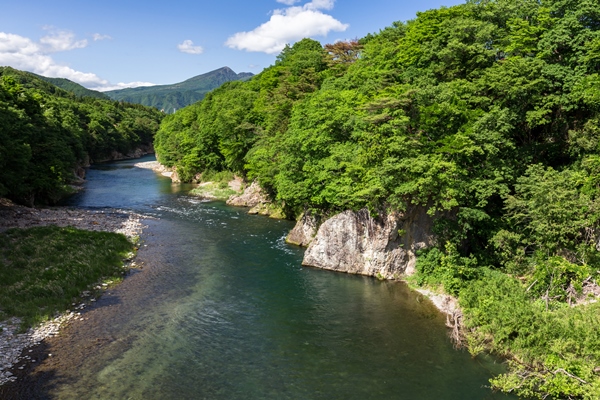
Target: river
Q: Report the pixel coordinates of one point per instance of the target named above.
(222, 309)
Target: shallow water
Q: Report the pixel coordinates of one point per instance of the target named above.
(223, 310)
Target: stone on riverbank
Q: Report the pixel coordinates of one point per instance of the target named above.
(13, 343)
(258, 202)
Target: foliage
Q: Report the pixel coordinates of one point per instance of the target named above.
(487, 114)
(553, 354)
(46, 132)
(42, 270)
(447, 268)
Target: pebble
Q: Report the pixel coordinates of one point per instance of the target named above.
(12, 344)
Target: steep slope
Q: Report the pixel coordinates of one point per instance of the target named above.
(47, 134)
(170, 98)
(54, 86)
(74, 88)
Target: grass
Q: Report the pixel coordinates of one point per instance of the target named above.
(43, 269)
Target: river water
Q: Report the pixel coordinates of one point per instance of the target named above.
(223, 310)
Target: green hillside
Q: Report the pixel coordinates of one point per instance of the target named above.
(51, 85)
(170, 98)
(46, 133)
(488, 115)
(74, 88)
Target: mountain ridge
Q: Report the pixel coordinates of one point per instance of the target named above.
(172, 97)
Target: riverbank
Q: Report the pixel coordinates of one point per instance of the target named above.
(118, 221)
(156, 167)
(13, 343)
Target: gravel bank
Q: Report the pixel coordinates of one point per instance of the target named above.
(13, 344)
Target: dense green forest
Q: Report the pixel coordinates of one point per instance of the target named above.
(47, 132)
(488, 110)
(170, 98)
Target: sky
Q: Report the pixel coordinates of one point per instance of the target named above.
(110, 44)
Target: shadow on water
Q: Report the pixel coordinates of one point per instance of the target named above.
(222, 309)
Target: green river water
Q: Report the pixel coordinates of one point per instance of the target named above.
(223, 310)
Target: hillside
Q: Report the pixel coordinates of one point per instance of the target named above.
(54, 86)
(487, 116)
(47, 134)
(170, 98)
(73, 87)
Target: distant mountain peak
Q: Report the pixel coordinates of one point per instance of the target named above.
(178, 95)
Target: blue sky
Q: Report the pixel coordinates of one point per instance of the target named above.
(112, 44)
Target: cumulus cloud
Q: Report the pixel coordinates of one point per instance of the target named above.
(188, 47)
(122, 85)
(98, 36)
(288, 2)
(320, 5)
(288, 25)
(58, 40)
(23, 53)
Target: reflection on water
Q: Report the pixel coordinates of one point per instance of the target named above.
(225, 311)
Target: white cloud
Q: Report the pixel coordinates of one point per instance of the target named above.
(288, 2)
(23, 53)
(188, 47)
(319, 5)
(288, 25)
(98, 36)
(122, 85)
(58, 40)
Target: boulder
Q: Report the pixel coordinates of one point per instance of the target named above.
(251, 197)
(384, 247)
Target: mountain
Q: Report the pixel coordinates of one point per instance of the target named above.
(170, 98)
(55, 86)
(74, 88)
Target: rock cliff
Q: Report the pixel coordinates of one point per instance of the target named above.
(259, 203)
(356, 243)
(251, 197)
(304, 231)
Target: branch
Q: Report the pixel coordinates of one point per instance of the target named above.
(570, 375)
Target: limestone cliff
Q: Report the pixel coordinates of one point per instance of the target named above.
(304, 231)
(385, 247)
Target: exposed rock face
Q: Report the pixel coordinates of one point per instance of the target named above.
(257, 200)
(385, 247)
(304, 231)
(251, 197)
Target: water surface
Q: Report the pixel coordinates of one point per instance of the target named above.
(223, 310)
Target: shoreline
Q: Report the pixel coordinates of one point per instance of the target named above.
(13, 344)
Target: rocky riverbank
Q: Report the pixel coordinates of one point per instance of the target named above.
(159, 168)
(12, 343)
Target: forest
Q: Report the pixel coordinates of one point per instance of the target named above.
(488, 111)
(47, 132)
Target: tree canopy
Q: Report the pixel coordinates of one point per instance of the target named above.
(46, 132)
(489, 109)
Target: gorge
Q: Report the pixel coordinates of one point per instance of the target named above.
(223, 309)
